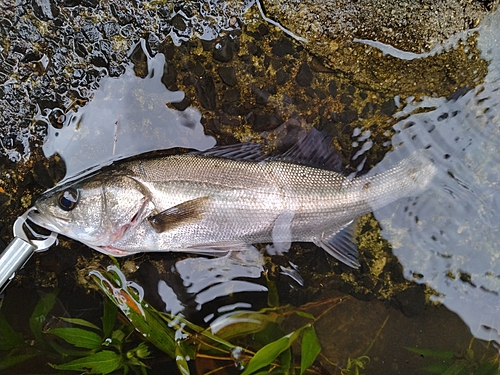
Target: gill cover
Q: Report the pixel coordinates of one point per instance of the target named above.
(96, 210)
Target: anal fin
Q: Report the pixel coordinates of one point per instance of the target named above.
(341, 245)
(179, 215)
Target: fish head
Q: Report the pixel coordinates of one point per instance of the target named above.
(96, 211)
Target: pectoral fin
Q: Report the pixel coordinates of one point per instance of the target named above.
(341, 245)
(179, 215)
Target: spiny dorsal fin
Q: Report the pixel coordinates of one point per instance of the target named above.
(240, 151)
(314, 149)
(179, 215)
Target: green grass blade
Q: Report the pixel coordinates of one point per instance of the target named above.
(270, 352)
(80, 322)
(103, 362)
(180, 359)
(310, 348)
(109, 317)
(79, 337)
(431, 353)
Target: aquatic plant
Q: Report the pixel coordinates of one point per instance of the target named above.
(253, 341)
(458, 363)
(82, 347)
(185, 341)
(354, 365)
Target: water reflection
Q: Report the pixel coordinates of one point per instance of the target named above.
(127, 116)
(209, 289)
(448, 237)
(210, 278)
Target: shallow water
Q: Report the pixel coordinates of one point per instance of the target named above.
(127, 116)
(449, 235)
(444, 239)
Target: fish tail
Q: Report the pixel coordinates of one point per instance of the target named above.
(407, 177)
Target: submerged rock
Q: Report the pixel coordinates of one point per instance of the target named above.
(341, 32)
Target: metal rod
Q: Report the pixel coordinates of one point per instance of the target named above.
(13, 259)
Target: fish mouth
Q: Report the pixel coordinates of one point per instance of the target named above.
(41, 220)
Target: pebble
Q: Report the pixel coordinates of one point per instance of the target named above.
(228, 75)
(304, 76)
(283, 47)
(205, 92)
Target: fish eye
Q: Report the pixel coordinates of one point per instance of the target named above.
(68, 199)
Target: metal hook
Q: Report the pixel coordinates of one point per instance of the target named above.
(40, 245)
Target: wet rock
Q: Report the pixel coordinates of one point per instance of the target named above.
(267, 61)
(205, 92)
(169, 77)
(350, 89)
(261, 96)
(459, 93)
(230, 109)
(411, 301)
(263, 29)
(255, 50)
(283, 47)
(98, 59)
(111, 29)
(91, 32)
(57, 118)
(231, 96)
(265, 121)
(346, 99)
(122, 16)
(228, 75)
(332, 88)
(329, 28)
(44, 9)
(178, 22)
(28, 31)
(224, 119)
(321, 94)
(225, 49)
(304, 75)
(282, 77)
(183, 104)
(198, 69)
(368, 110)
(389, 107)
(348, 116)
(310, 92)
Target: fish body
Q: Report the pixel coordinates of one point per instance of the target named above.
(214, 202)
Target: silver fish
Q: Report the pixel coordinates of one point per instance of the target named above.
(226, 199)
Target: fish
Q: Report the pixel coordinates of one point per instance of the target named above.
(227, 198)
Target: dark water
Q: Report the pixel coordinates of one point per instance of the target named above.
(247, 81)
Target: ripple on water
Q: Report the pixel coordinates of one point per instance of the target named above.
(448, 237)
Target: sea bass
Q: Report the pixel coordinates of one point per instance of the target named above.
(226, 199)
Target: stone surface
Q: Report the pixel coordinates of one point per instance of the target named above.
(330, 27)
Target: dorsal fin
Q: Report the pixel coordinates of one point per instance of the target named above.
(314, 149)
(240, 151)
